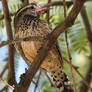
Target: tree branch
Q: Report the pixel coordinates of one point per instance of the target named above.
(51, 83)
(58, 3)
(11, 14)
(79, 74)
(3, 89)
(88, 77)
(4, 69)
(68, 22)
(68, 49)
(37, 82)
(29, 38)
(6, 84)
(10, 47)
(55, 3)
(48, 12)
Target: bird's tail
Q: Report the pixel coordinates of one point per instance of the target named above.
(62, 82)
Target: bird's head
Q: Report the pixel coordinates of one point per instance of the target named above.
(32, 9)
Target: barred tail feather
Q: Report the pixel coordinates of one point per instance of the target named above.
(63, 85)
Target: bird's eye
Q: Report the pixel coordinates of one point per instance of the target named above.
(32, 7)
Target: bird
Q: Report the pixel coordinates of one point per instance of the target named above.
(27, 23)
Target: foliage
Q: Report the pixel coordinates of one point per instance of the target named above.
(77, 39)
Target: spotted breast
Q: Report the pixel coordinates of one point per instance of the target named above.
(28, 23)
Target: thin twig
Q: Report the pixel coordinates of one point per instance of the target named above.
(11, 14)
(64, 4)
(51, 83)
(79, 74)
(34, 82)
(29, 38)
(48, 12)
(3, 89)
(7, 84)
(68, 49)
(37, 81)
(4, 69)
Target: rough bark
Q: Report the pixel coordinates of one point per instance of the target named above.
(10, 47)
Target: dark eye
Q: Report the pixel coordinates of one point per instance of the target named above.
(32, 7)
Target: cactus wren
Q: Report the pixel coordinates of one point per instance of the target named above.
(28, 23)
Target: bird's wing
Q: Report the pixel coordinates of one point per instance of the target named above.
(52, 62)
(59, 52)
(21, 52)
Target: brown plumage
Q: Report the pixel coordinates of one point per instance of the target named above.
(27, 23)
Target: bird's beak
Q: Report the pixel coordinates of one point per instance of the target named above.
(40, 10)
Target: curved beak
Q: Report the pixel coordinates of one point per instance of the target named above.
(40, 10)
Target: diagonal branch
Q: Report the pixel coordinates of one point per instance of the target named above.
(50, 81)
(86, 83)
(6, 83)
(4, 69)
(37, 82)
(3, 89)
(68, 22)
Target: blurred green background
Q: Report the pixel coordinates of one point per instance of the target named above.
(78, 43)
